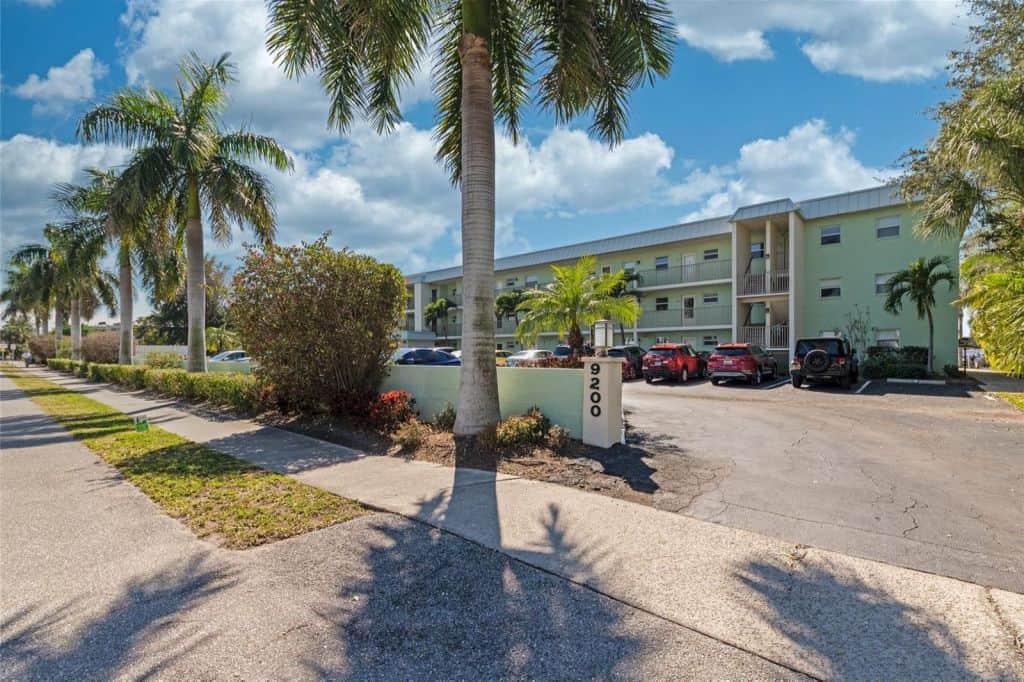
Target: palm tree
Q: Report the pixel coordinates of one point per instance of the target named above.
(575, 298)
(221, 339)
(484, 53)
(918, 283)
(626, 289)
(145, 239)
(437, 311)
(507, 304)
(185, 165)
(29, 291)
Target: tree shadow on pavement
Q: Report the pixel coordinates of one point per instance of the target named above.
(74, 641)
(848, 629)
(433, 606)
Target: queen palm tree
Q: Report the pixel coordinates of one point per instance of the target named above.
(437, 311)
(28, 291)
(917, 283)
(186, 165)
(575, 298)
(145, 241)
(506, 304)
(484, 54)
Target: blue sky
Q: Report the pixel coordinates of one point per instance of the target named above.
(765, 99)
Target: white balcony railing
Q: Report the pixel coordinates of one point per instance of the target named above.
(774, 336)
(684, 274)
(775, 282)
(704, 316)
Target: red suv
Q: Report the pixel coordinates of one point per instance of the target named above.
(671, 361)
(741, 361)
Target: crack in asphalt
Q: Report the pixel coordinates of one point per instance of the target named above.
(906, 510)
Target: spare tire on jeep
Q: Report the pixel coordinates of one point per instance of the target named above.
(816, 361)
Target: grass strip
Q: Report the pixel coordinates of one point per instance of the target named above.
(1015, 399)
(219, 497)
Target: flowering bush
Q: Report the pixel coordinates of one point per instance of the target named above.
(101, 347)
(42, 347)
(319, 323)
(389, 410)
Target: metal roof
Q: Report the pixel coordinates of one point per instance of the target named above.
(633, 240)
(819, 207)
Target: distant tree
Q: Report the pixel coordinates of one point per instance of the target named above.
(507, 304)
(437, 311)
(858, 327)
(15, 333)
(626, 288)
(169, 321)
(917, 284)
(220, 339)
(575, 298)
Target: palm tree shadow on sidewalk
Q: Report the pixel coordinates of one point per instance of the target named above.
(435, 606)
(848, 629)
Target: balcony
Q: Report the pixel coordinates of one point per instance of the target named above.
(686, 274)
(775, 282)
(775, 336)
(705, 316)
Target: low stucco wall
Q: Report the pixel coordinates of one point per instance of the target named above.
(557, 392)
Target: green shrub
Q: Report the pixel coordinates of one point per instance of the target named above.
(952, 371)
(410, 435)
(558, 438)
(445, 419)
(163, 360)
(526, 429)
(914, 355)
(59, 364)
(906, 370)
(101, 347)
(319, 323)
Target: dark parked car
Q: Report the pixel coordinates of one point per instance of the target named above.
(824, 359)
(564, 351)
(632, 353)
(424, 356)
(670, 361)
(741, 361)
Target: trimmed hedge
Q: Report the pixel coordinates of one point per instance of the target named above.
(235, 390)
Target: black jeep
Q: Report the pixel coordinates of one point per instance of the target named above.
(827, 358)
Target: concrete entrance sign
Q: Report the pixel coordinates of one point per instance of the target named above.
(602, 402)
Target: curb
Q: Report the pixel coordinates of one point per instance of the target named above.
(928, 382)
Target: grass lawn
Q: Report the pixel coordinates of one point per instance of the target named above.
(1015, 399)
(231, 502)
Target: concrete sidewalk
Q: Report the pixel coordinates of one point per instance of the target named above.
(822, 613)
(97, 583)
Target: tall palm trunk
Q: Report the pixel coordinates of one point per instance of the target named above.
(58, 329)
(76, 328)
(478, 381)
(195, 283)
(44, 321)
(931, 342)
(124, 283)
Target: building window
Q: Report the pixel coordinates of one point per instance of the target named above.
(882, 283)
(661, 263)
(830, 235)
(757, 250)
(888, 227)
(688, 307)
(710, 340)
(499, 347)
(828, 333)
(630, 266)
(710, 298)
(531, 282)
(661, 303)
(889, 338)
(710, 254)
(831, 288)
(606, 270)
(510, 282)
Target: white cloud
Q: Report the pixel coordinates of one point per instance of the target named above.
(30, 167)
(39, 3)
(810, 160)
(63, 85)
(294, 111)
(878, 41)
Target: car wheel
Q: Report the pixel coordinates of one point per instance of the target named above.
(798, 381)
(649, 380)
(844, 382)
(714, 382)
(685, 375)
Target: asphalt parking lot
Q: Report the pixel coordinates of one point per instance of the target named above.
(928, 477)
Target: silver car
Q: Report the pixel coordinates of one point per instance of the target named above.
(532, 354)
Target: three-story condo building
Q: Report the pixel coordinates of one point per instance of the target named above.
(767, 274)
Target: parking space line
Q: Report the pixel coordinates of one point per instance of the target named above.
(866, 384)
(777, 383)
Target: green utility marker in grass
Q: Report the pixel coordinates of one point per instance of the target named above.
(232, 502)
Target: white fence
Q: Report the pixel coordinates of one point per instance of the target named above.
(557, 392)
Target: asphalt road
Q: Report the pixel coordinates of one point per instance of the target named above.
(930, 478)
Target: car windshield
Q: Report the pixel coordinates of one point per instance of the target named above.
(616, 353)
(731, 351)
(831, 346)
(563, 351)
(661, 352)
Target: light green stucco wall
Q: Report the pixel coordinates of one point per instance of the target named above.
(557, 392)
(856, 261)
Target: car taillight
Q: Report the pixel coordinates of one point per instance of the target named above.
(841, 361)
